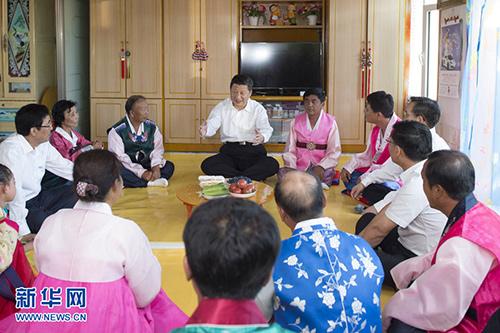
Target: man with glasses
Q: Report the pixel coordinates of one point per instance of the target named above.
(28, 154)
(408, 226)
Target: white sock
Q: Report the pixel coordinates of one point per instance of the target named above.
(160, 182)
(324, 186)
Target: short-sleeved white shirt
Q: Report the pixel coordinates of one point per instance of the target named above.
(419, 226)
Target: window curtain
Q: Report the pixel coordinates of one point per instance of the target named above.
(480, 103)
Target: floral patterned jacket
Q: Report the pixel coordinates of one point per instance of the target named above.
(326, 280)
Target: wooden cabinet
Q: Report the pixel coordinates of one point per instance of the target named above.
(111, 110)
(213, 22)
(375, 27)
(182, 119)
(27, 61)
(206, 107)
(126, 48)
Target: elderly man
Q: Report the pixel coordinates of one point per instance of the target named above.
(325, 280)
(244, 127)
(28, 154)
(408, 226)
(455, 286)
(421, 109)
(314, 142)
(138, 144)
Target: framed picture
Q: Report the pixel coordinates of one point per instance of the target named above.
(449, 3)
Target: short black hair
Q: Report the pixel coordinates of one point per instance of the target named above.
(301, 203)
(382, 102)
(129, 104)
(243, 80)
(453, 170)
(427, 109)
(231, 246)
(100, 168)
(59, 109)
(5, 175)
(318, 92)
(414, 138)
(29, 116)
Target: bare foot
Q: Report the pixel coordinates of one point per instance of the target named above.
(27, 238)
(28, 246)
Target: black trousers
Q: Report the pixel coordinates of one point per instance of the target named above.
(373, 193)
(247, 160)
(390, 251)
(130, 179)
(48, 202)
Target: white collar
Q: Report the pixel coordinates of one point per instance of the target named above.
(141, 127)
(71, 138)
(27, 147)
(308, 224)
(409, 173)
(100, 207)
(317, 122)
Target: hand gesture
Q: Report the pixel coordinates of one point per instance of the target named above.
(357, 190)
(147, 175)
(345, 175)
(319, 172)
(97, 145)
(203, 129)
(155, 172)
(259, 138)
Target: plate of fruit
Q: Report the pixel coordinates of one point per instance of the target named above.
(241, 187)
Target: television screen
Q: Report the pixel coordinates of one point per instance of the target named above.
(290, 66)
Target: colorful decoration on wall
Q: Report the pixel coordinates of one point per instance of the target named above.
(18, 38)
(199, 51)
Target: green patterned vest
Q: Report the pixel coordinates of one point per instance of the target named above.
(137, 147)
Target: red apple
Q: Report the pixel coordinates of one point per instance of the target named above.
(249, 189)
(233, 188)
(242, 183)
(236, 190)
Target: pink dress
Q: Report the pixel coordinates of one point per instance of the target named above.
(69, 147)
(89, 247)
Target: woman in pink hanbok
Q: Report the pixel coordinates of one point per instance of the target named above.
(109, 258)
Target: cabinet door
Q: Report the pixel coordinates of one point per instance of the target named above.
(206, 108)
(104, 113)
(219, 22)
(347, 36)
(144, 42)
(107, 39)
(386, 35)
(182, 121)
(181, 31)
(155, 113)
(18, 51)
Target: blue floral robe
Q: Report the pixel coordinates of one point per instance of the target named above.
(326, 280)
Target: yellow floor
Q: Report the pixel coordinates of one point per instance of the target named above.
(162, 217)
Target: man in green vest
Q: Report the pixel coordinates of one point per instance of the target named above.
(138, 144)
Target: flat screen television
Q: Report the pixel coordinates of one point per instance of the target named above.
(282, 68)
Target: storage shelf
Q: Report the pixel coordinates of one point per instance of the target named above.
(281, 26)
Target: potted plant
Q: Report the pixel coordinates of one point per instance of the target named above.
(311, 13)
(254, 12)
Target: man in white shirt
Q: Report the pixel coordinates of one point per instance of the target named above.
(28, 154)
(455, 287)
(244, 129)
(138, 144)
(408, 226)
(421, 109)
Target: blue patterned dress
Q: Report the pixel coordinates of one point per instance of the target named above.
(326, 280)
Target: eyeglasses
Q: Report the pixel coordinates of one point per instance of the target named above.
(45, 126)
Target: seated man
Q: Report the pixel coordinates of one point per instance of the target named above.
(421, 109)
(455, 286)
(408, 226)
(138, 144)
(231, 245)
(314, 142)
(28, 154)
(324, 279)
(378, 111)
(244, 128)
